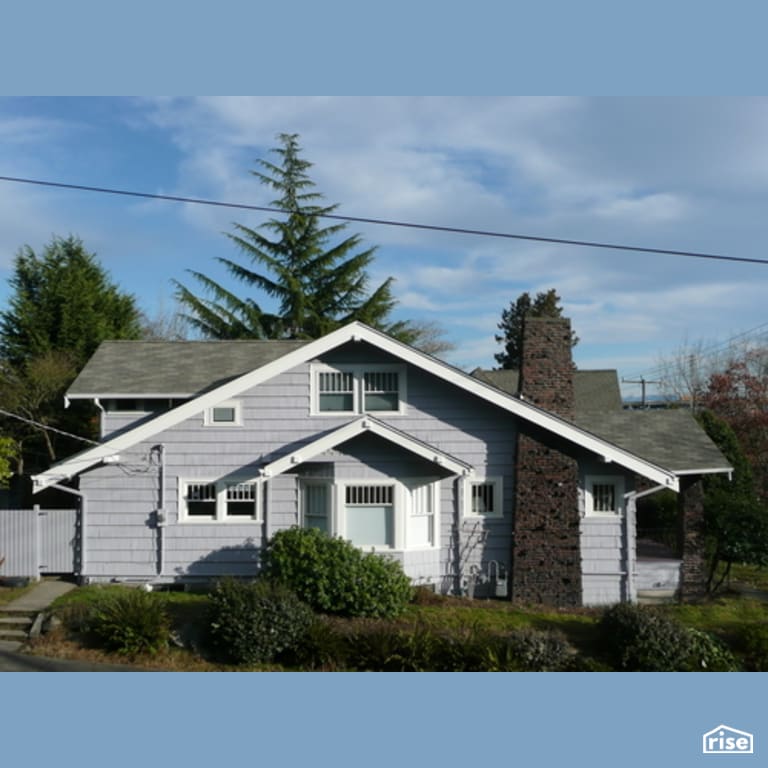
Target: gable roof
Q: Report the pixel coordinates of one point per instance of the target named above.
(367, 425)
(596, 390)
(357, 332)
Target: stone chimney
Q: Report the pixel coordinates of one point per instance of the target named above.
(546, 370)
(546, 555)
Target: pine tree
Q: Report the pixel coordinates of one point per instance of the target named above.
(543, 305)
(318, 284)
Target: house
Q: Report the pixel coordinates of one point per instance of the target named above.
(473, 482)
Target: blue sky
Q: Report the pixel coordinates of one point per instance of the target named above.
(673, 173)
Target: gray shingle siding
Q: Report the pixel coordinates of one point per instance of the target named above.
(276, 418)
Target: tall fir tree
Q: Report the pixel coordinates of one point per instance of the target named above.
(545, 304)
(63, 301)
(317, 284)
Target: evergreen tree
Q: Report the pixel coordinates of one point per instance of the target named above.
(543, 305)
(62, 307)
(63, 301)
(318, 284)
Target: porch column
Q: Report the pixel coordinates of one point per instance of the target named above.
(693, 576)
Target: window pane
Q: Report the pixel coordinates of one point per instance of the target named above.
(370, 515)
(224, 415)
(336, 402)
(370, 526)
(604, 497)
(483, 501)
(381, 391)
(241, 500)
(316, 507)
(201, 500)
(382, 402)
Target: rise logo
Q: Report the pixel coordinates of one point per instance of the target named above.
(728, 741)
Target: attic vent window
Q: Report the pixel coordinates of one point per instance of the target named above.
(224, 415)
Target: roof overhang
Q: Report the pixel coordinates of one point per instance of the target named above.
(366, 425)
(356, 332)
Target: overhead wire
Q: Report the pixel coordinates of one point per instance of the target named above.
(391, 223)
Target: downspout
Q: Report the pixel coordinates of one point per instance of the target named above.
(83, 528)
(160, 511)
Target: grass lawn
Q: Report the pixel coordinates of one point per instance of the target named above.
(726, 617)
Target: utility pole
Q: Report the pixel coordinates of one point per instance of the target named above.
(642, 381)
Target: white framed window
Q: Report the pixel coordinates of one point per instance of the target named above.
(358, 389)
(484, 497)
(226, 414)
(603, 495)
(219, 501)
(374, 514)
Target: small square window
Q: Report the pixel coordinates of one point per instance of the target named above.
(604, 495)
(484, 498)
(223, 415)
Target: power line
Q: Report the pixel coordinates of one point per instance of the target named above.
(46, 427)
(706, 351)
(392, 223)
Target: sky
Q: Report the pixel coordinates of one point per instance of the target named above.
(686, 174)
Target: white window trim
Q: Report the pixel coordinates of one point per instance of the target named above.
(208, 420)
(402, 509)
(590, 481)
(358, 395)
(497, 481)
(220, 515)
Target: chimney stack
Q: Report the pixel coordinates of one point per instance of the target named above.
(546, 370)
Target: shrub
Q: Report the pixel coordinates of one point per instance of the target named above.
(639, 639)
(128, 623)
(528, 650)
(754, 640)
(335, 577)
(254, 622)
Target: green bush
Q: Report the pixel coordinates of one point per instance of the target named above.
(640, 639)
(528, 650)
(128, 623)
(254, 622)
(754, 640)
(335, 577)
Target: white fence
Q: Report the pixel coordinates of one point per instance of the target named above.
(34, 542)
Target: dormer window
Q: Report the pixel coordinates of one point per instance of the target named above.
(358, 389)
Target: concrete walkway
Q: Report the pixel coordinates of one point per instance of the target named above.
(39, 597)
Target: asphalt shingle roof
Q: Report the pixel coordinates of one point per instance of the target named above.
(668, 438)
(172, 367)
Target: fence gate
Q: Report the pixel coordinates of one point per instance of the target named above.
(35, 542)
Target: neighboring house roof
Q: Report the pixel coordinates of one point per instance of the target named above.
(171, 368)
(592, 390)
(296, 354)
